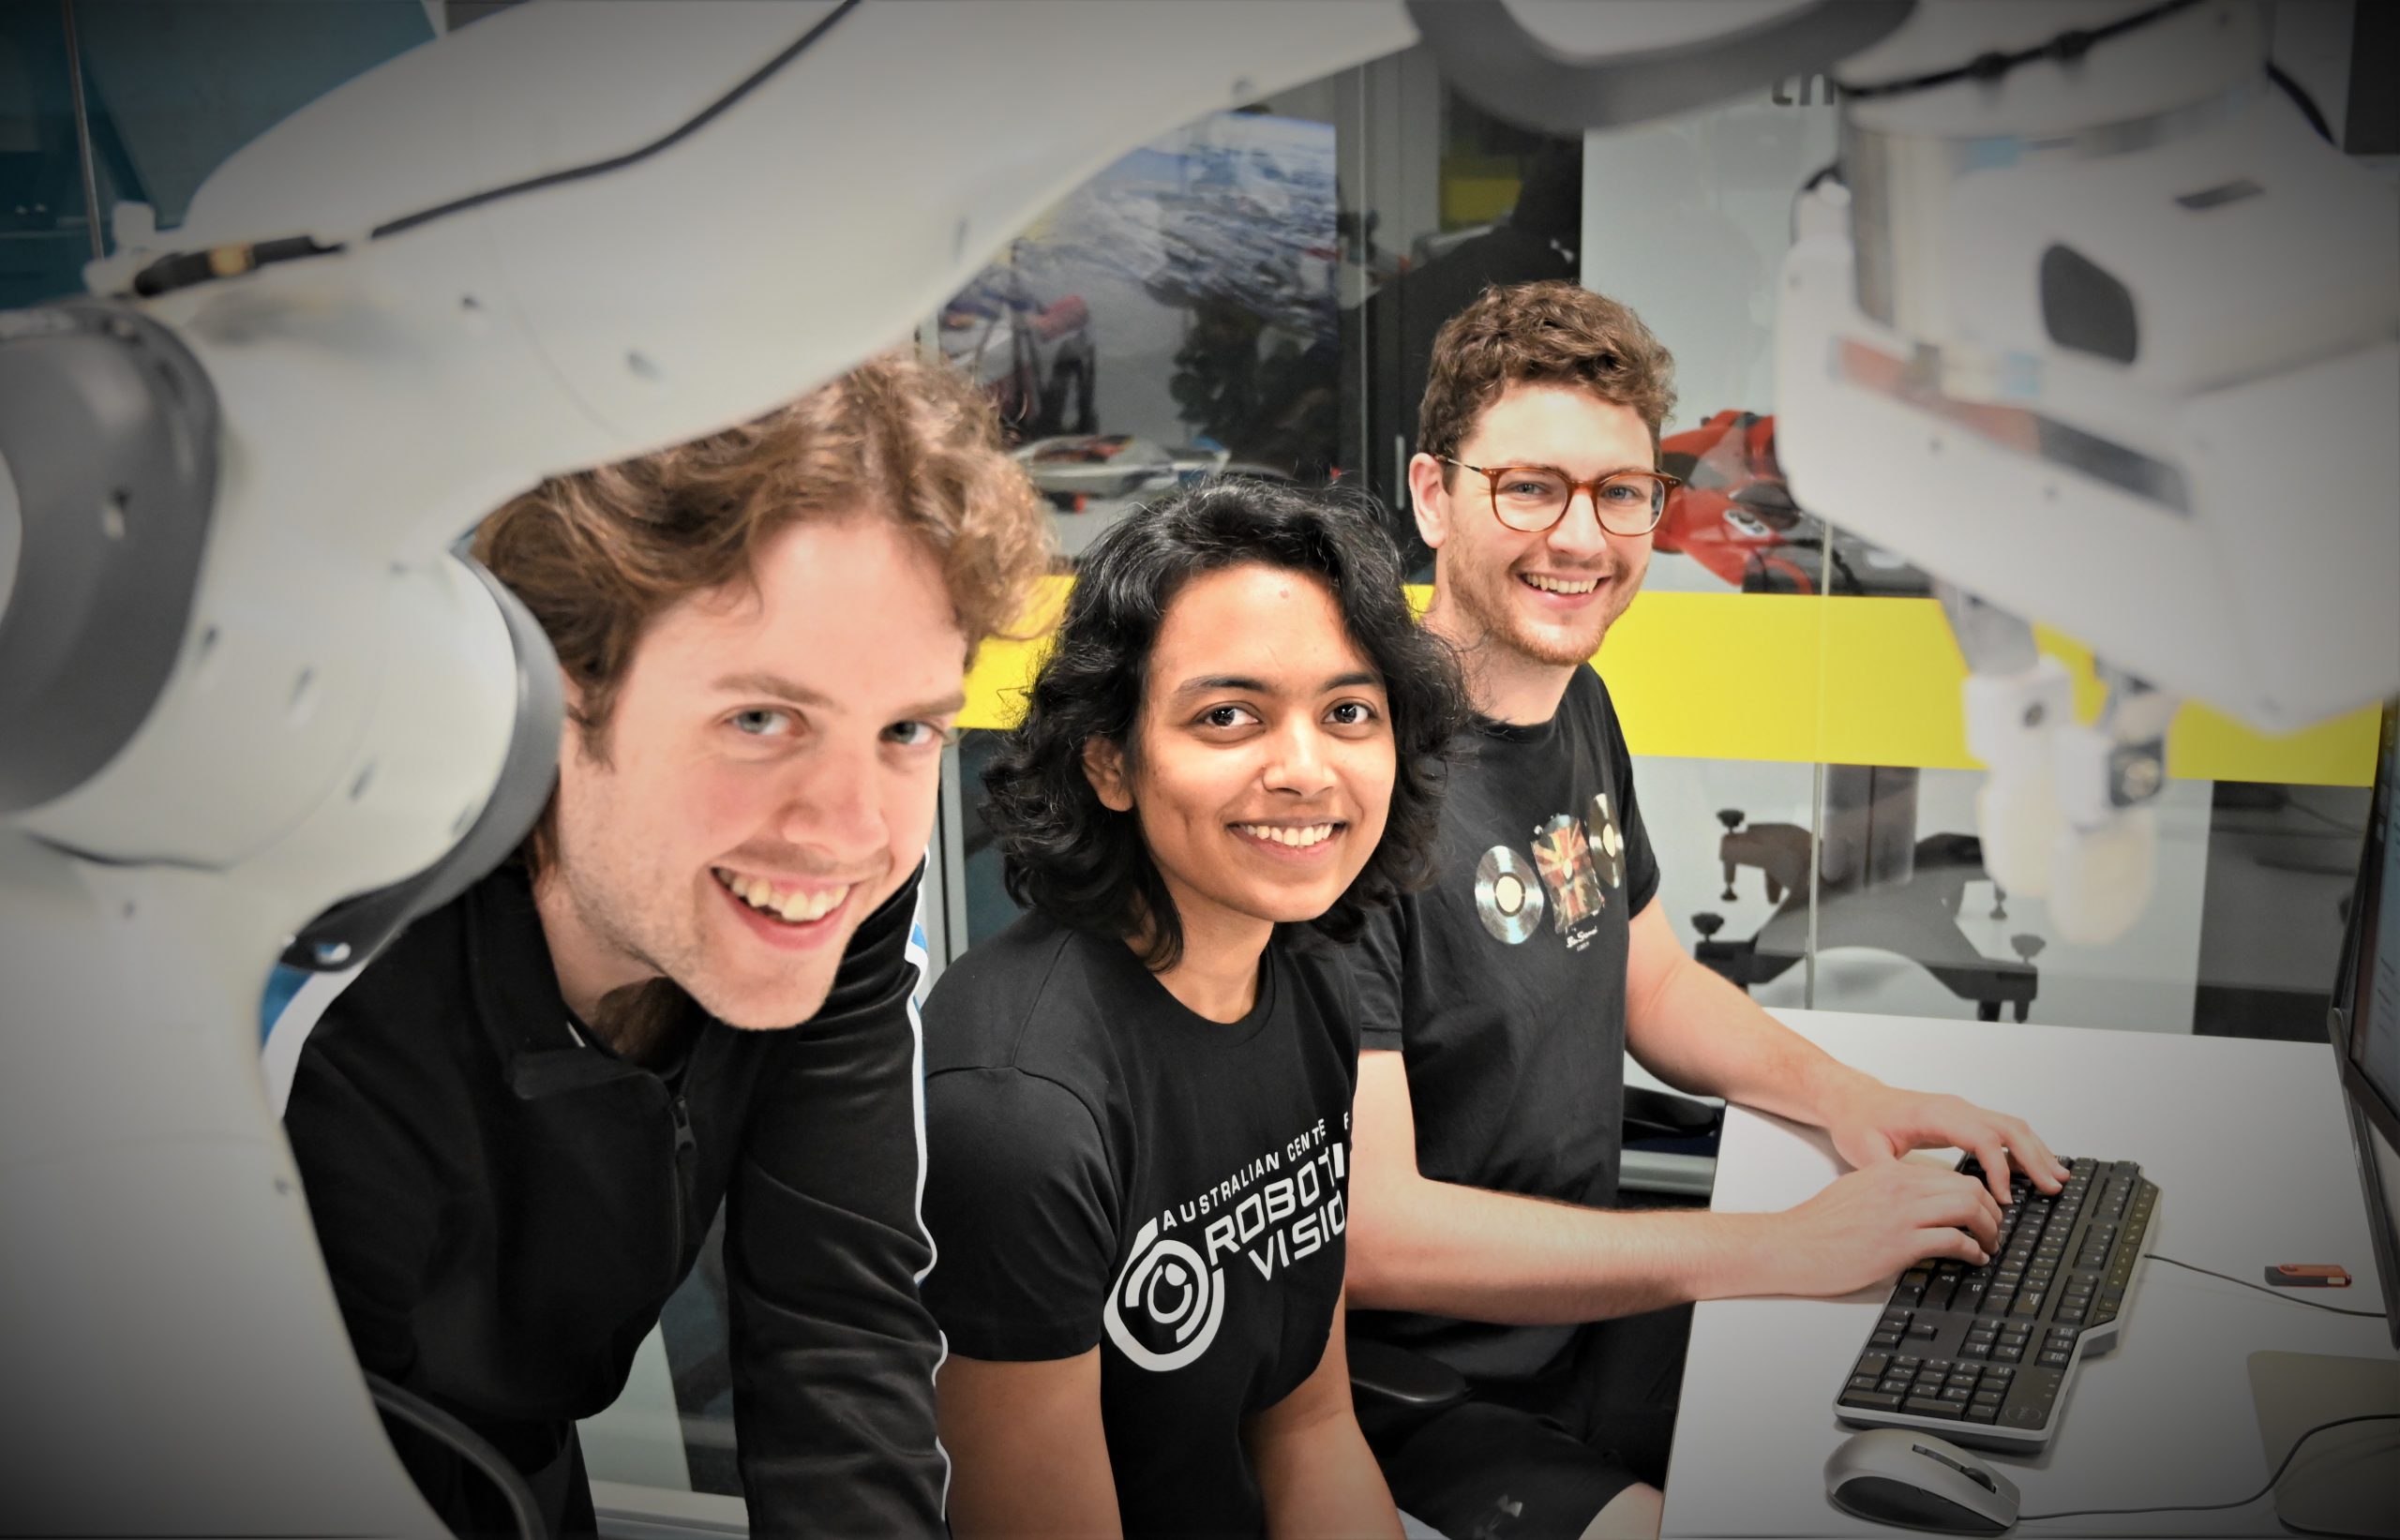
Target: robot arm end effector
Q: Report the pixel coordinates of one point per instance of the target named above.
(2063, 810)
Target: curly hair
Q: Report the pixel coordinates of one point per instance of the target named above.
(1552, 333)
(1063, 852)
(597, 555)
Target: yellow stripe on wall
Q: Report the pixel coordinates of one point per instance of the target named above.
(1796, 678)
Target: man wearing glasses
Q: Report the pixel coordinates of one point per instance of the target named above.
(1499, 1002)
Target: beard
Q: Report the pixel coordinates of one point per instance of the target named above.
(626, 903)
(1491, 601)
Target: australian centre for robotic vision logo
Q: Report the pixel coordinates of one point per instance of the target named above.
(1273, 1212)
(1574, 868)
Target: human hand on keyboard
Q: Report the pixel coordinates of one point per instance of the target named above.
(1874, 1123)
(1870, 1224)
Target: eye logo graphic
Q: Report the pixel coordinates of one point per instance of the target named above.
(1167, 1303)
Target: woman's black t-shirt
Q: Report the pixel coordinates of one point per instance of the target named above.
(1108, 1168)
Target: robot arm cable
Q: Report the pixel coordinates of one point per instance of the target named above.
(471, 1446)
(2066, 47)
(182, 269)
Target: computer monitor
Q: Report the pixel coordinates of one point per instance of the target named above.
(2366, 1018)
(2344, 1482)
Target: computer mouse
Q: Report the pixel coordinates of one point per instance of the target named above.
(1895, 1475)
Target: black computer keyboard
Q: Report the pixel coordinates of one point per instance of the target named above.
(1983, 1355)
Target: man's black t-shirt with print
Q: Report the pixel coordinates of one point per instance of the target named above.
(1503, 985)
(1108, 1169)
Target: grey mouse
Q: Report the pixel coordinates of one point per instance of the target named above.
(1896, 1475)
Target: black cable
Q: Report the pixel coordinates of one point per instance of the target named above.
(2066, 48)
(2285, 1296)
(599, 168)
(2210, 1507)
(2302, 99)
(182, 269)
(470, 1445)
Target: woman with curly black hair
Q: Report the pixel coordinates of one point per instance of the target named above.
(1138, 1096)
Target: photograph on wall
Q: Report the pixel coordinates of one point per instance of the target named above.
(1172, 318)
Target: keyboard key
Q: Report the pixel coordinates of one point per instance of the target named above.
(1863, 1382)
(2054, 1359)
(1980, 1412)
(1932, 1407)
(1871, 1399)
(1925, 1331)
(1884, 1339)
(2026, 1415)
(2028, 1303)
(2000, 1373)
(1874, 1363)
(1957, 1395)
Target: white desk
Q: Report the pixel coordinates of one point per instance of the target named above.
(2250, 1148)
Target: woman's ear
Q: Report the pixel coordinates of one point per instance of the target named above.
(1104, 768)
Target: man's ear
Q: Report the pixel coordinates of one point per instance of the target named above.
(1104, 768)
(1427, 499)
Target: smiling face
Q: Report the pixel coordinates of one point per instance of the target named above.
(1263, 760)
(1547, 598)
(770, 776)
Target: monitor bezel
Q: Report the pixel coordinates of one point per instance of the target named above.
(2366, 900)
(2369, 1114)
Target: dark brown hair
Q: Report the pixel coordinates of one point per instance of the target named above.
(597, 555)
(1553, 333)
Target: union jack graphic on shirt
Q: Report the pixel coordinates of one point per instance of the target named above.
(1564, 857)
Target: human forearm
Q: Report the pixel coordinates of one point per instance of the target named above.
(833, 1345)
(836, 1411)
(1321, 1480)
(1477, 1255)
(1444, 1248)
(1697, 1032)
(1315, 1473)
